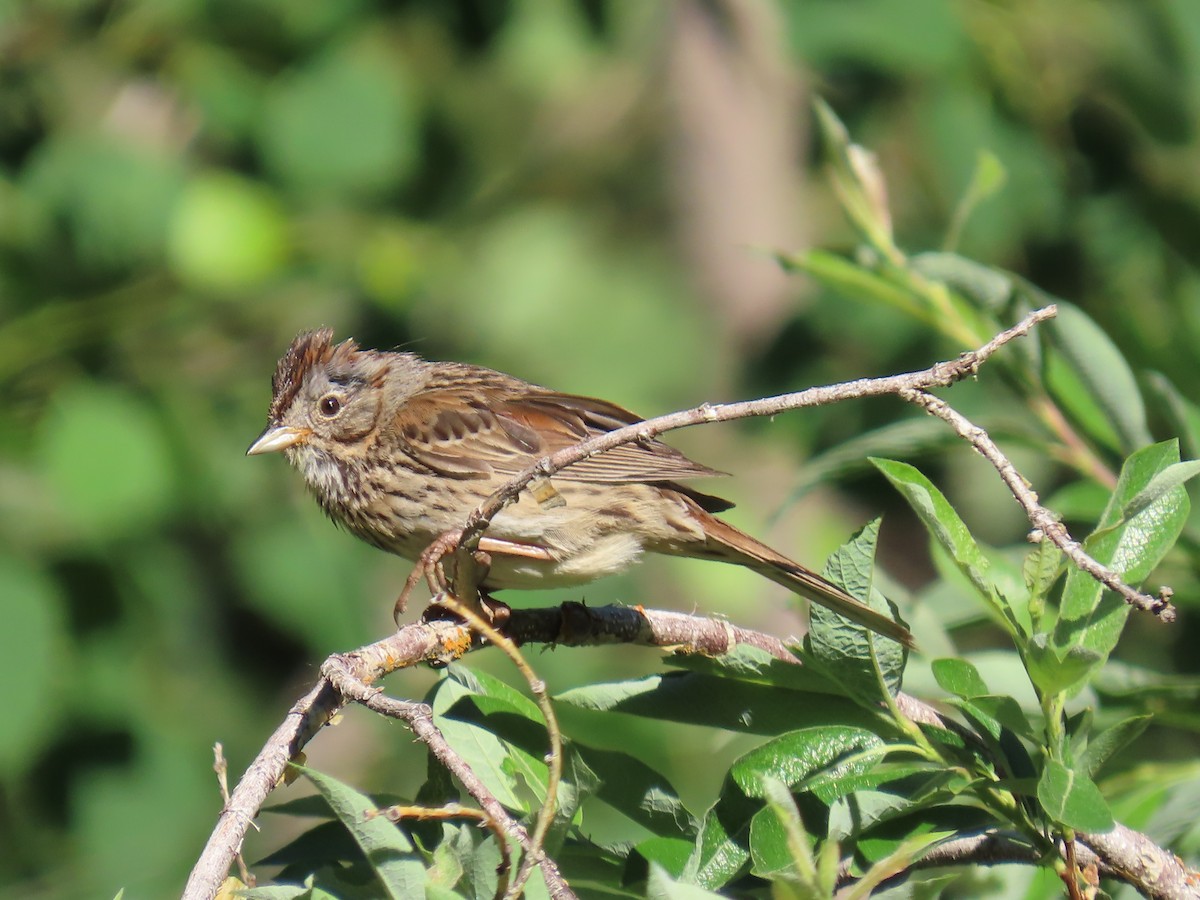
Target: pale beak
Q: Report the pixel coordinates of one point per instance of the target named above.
(276, 438)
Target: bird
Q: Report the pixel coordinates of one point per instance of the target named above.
(400, 450)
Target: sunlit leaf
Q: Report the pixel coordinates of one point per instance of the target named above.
(849, 653)
(391, 855)
(1071, 798)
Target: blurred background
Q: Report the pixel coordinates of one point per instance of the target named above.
(582, 193)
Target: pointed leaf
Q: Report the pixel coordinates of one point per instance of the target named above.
(1183, 415)
(1103, 746)
(1173, 476)
(987, 288)
(635, 789)
(958, 677)
(799, 756)
(944, 524)
(1103, 371)
(779, 842)
(1071, 798)
(722, 844)
(699, 699)
(1089, 618)
(386, 847)
(843, 648)
(1054, 670)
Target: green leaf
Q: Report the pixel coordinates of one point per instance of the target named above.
(1103, 746)
(944, 524)
(857, 180)
(852, 280)
(670, 853)
(798, 757)
(998, 721)
(779, 842)
(386, 847)
(844, 649)
(1183, 414)
(699, 699)
(1072, 799)
(1173, 476)
(1039, 572)
(287, 892)
(748, 663)
(958, 677)
(630, 786)
(855, 814)
(494, 761)
(1054, 670)
(492, 695)
(1103, 372)
(987, 288)
(722, 844)
(1005, 710)
(1090, 618)
(987, 178)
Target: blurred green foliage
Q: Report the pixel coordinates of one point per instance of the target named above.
(185, 185)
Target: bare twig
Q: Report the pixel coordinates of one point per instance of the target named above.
(221, 767)
(1041, 518)
(942, 374)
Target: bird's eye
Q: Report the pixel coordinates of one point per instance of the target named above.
(330, 405)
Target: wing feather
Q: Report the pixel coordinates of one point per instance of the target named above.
(472, 435)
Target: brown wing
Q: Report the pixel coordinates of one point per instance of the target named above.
(473, 435)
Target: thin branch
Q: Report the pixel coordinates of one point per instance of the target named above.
(398, 814)
(942, 374)
(221, 767)
(1043, 520)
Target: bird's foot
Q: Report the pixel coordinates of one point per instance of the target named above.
(431, 566)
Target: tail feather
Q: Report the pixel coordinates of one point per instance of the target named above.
(729, 544)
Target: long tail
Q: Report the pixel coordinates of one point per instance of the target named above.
(728, 544)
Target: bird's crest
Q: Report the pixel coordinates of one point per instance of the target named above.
(309, 349)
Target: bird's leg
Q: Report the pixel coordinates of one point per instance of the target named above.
(432, 567)
(429, 567)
